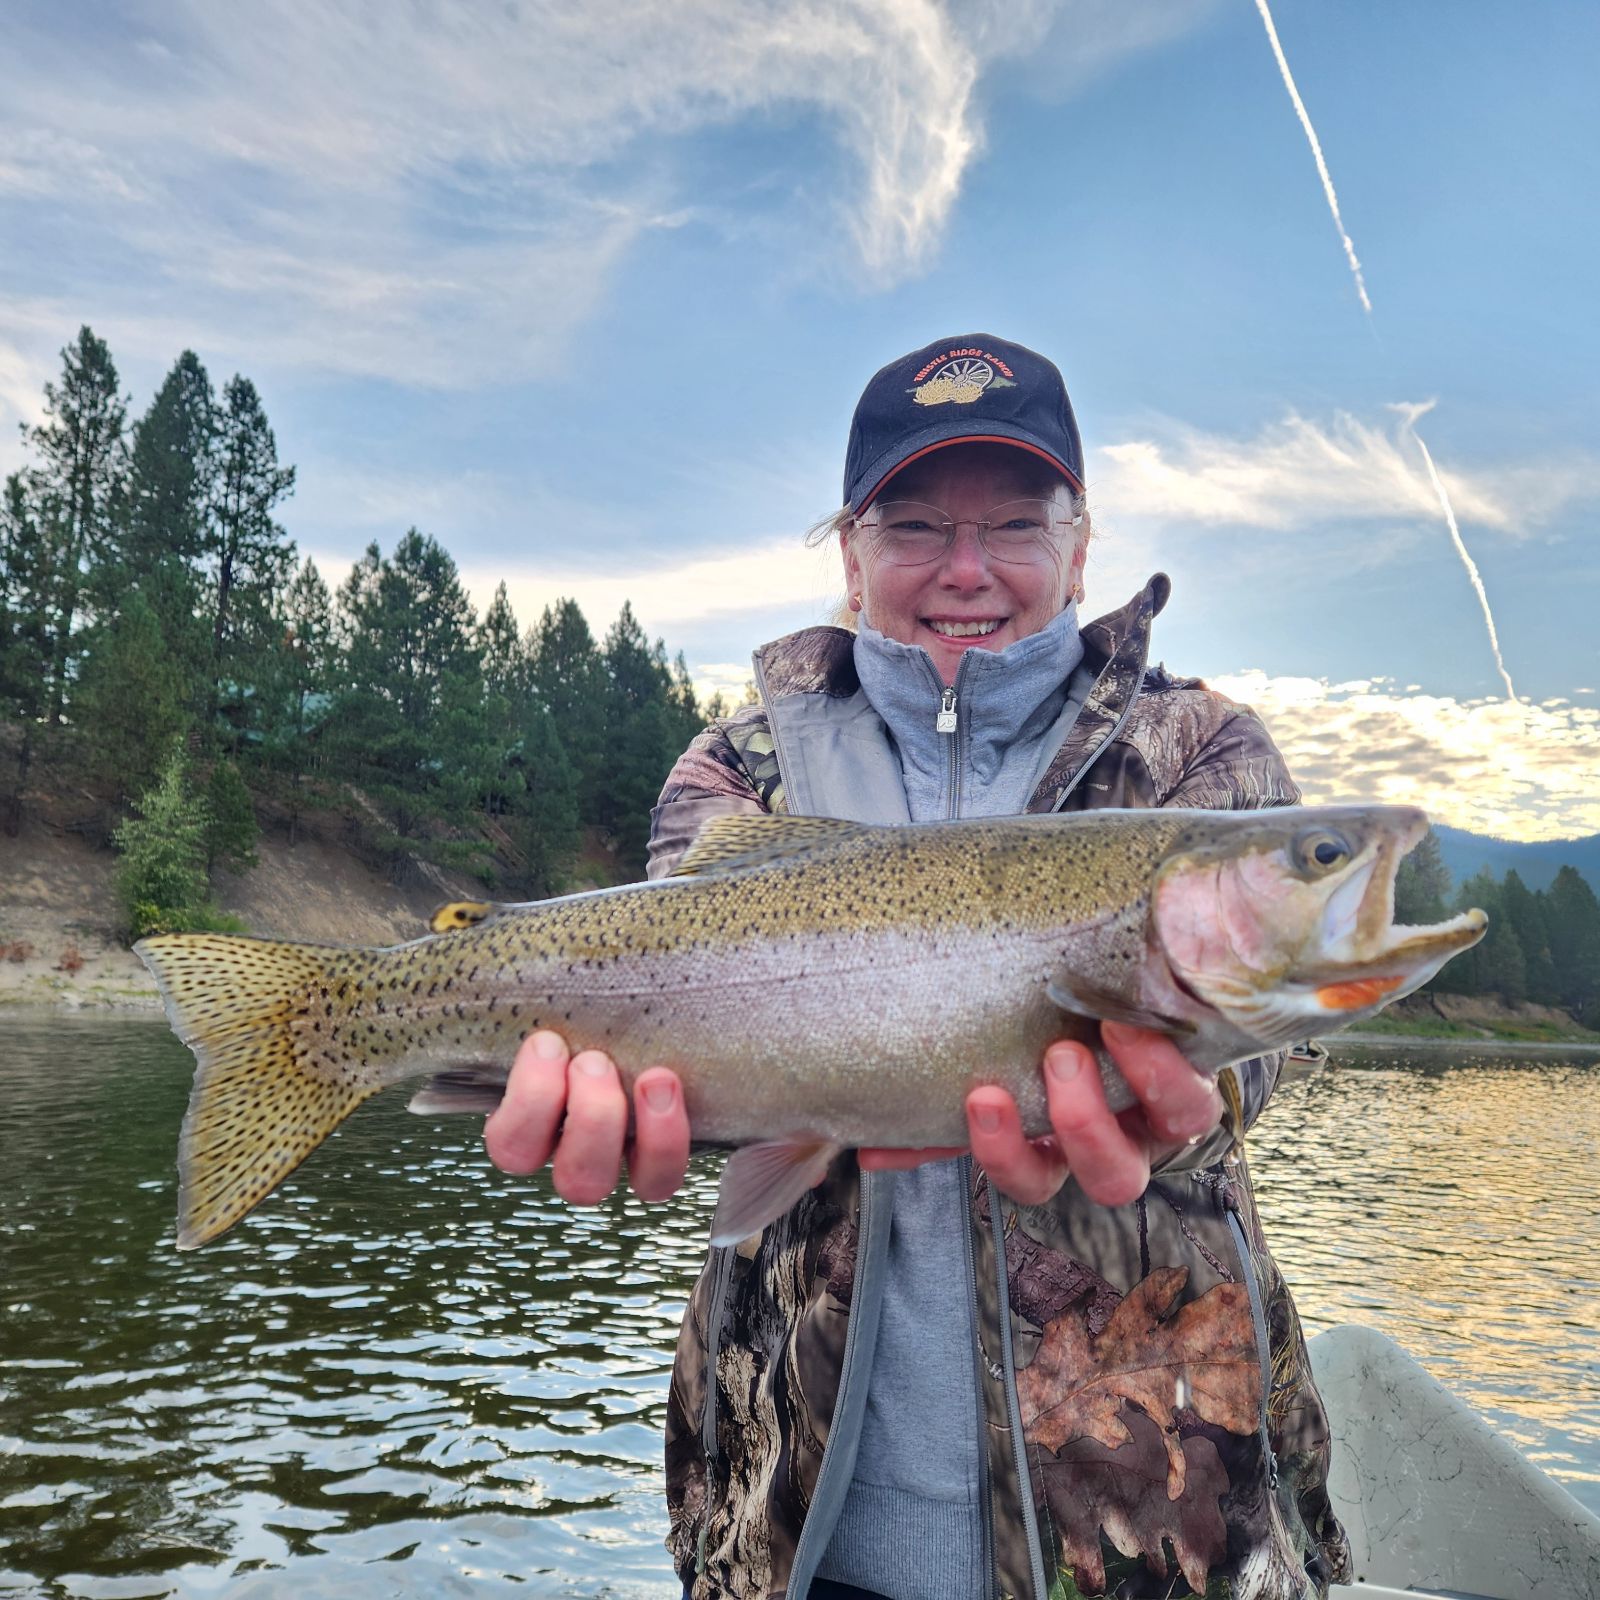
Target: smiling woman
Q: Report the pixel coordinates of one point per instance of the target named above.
(944, 1374)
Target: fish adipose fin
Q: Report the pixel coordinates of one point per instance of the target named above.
(762, 1181)
(758, 838)
(457, 914)
(257, 1110)
(1083, 999)
(476, 1089)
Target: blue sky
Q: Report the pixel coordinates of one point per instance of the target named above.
(588, 292)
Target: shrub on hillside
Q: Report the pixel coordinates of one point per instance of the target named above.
(161, 878)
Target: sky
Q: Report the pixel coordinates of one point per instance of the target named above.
(588, 293)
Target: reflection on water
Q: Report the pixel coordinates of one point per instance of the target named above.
(409, 1375)
(1453, 1203)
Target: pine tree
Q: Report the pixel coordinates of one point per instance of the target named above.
(544, 816)
(1422, 884)
(230, 832)
(1573, 919)
(642, 735)
(298, 689)
(129, 703)
(569, 679)
(1496, 964)
(409, 720)
(501, 649)
(77, 490)
(250, 555)
(172, 484)
(1525, 913)
(161, 877)
(26, 650)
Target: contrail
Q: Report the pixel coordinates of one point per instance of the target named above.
(1316, 151)
(1467, 561)
(1366, 305)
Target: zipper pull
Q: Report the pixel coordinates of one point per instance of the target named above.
(945, 722)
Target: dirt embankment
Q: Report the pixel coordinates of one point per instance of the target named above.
(1480, 1016)
(57, 900)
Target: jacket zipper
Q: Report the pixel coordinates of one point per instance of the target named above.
(1258, 1318)
(947, 722)
(1019, 1447)
(980, 1367)
(804, 1564)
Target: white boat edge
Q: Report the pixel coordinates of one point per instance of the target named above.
(1436, 1503)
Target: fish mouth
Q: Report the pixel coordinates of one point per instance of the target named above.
(1366, 953)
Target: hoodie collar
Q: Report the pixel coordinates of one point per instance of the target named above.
(1003, 698)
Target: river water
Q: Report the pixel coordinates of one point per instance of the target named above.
(409, 1375)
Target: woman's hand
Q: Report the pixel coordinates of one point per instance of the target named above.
(1109, 1154)
(573, 1113)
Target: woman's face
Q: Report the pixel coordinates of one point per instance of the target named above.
(924, 605)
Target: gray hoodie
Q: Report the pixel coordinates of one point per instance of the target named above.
(911, 1524)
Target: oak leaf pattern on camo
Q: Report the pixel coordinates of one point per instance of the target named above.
(1088, 1488)
(1202, 1359)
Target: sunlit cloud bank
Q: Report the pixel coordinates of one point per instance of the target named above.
(1506, 768)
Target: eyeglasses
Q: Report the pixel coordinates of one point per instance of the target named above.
(907, 533)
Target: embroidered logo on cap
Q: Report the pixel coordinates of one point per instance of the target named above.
(958, 377)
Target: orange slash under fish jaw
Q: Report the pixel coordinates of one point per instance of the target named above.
(1357, 992)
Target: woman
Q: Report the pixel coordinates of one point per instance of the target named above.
(1031, 1368)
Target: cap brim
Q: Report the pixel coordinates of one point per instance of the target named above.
(937, 436)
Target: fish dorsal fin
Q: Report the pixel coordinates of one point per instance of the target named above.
(753, 840)
(457, 914)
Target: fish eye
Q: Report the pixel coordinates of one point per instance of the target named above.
(1321, 851)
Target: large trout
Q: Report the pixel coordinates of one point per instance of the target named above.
(817, 985)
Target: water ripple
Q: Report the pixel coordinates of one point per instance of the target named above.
(410, 1375)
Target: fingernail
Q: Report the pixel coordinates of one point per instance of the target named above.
(549, 1046)
(987, 1119)
(1064, 1065)
(592, 1066)
(658, 1094)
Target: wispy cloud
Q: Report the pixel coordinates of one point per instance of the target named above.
(435, 191)
(1302, 471)
(1504, 767)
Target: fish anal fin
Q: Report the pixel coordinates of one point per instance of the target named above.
(1085, 999)
(762, 1181)
(753, 839)
(471, 1089)
(454, 915)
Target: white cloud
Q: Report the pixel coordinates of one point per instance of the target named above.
(1508, 768)
(669, 598)
(1304, 471)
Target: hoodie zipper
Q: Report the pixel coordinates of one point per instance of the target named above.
(948, 723)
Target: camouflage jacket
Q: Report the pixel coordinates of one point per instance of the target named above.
(1147, 1408)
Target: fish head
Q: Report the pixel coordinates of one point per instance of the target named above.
(1283, 922)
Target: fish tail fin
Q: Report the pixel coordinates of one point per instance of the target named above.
(261, 1103)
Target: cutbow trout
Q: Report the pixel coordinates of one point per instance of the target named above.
(816, 984)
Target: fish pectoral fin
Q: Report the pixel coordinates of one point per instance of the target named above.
(753, 839)
(762, 1181)
(1084, 999)
(457, 914)
(479, 1089)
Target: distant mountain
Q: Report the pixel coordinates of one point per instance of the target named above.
(1536, 864)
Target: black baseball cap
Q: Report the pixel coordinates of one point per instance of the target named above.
(969, 389)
